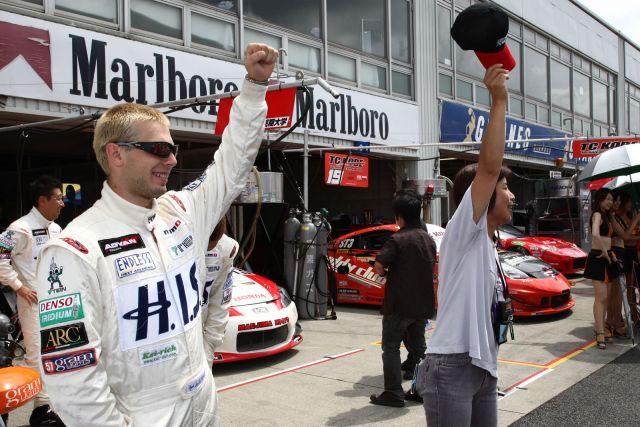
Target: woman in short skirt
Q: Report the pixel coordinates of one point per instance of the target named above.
(601, 267)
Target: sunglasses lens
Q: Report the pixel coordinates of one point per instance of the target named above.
(164, 149)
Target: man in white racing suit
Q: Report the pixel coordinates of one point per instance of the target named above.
(218, 288)
(20, 245)
(124, 342)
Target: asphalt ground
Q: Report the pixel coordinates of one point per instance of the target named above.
(328, 378)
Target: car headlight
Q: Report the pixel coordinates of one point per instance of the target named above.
(284, 296)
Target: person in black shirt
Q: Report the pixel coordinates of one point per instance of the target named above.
(408, 261)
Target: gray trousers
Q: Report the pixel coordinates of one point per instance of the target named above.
(457, 393)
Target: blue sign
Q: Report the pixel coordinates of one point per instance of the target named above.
(461, 123)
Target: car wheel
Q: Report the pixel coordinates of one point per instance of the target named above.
(522, 251)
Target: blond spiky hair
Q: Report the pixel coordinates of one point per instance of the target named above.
(117, 124)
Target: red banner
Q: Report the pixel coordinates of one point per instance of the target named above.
(279, 113)
(346, 170)
(593, 147)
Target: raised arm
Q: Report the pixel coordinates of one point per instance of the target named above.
(492, 148)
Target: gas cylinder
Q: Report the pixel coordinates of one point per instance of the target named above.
(291, 228)
(306, 295)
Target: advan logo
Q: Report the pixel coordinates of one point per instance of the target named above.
(121, 244)
(30, 43)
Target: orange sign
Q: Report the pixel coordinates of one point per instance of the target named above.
(18, 386)
(279, 113)
(346, 170)
(593, 147)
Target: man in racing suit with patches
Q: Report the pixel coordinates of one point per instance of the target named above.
(218, 288)
(20, 245)
(122, 343)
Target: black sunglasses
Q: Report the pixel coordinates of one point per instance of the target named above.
(158, 148)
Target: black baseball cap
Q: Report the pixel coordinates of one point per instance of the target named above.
(483, 28)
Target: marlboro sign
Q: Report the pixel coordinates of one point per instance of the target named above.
(593, 147)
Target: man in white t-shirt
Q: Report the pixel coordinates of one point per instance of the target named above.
(458, 379)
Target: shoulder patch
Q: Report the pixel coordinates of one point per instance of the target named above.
(178, 201)
(63, 337)
(76, 245)
(196, 183)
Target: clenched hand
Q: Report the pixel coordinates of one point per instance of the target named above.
(260, 60)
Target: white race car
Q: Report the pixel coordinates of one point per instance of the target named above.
(262, 320)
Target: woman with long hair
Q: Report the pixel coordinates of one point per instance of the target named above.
(626, 226)
(600, 266)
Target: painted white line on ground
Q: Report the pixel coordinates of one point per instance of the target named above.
(286, 371)
(525, 382)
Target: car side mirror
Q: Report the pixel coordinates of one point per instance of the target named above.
(343, 269)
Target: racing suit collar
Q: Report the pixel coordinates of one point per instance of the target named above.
(124, 211)
(40, 219)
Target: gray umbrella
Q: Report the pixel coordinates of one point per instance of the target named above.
(618, 161)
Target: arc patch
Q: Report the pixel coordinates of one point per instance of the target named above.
(63, 338)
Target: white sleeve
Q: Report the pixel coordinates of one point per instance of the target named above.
(220, 296)
(12, 244)
(461, 229)
(75, 380)
(207, 198)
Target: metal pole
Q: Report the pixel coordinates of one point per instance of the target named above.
(305, 161)
(278, 86)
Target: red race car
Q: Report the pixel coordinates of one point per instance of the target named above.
(564, 256)
(536, 287)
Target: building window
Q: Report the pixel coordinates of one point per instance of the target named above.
(581, 94)
(515, 106)
(543, 114)
(303, 56)
(560, 85)
(556, 118)
(401, 30)
(401, 83)
(464, 90)
(634, 116)
(535, 82)
(228, 5)
(482, 96)
(341, 67)
(445, 84)
(212, 32)
(372, 75)
(103, 10)
(358, 24)
(467, 62)
(530, 111)
(515, 80)
(253, 36)
(444, 37)
(156, 18)
(515, 28)
(600, 102)
(302, 16)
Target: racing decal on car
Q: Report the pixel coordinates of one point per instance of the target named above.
(63, 338)
(76, 245)
(158, 307)
(134, 264)
(168, 232)
(55, 272)
(67, 362)
(196, 183)
(348, 291)
(264, 324)
(60, 309)
(366, 276)
(518, 243)
(121, 244)
(346, 244)
(181, 248)
(260, 310)
(158, 353)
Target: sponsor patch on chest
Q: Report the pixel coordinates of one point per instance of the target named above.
(60, 309)
(158, 307)
(159, 353)
(133, 264)
(120, 244)
(182, 248)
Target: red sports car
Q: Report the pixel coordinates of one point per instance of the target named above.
(564, 256)
(536, 287)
